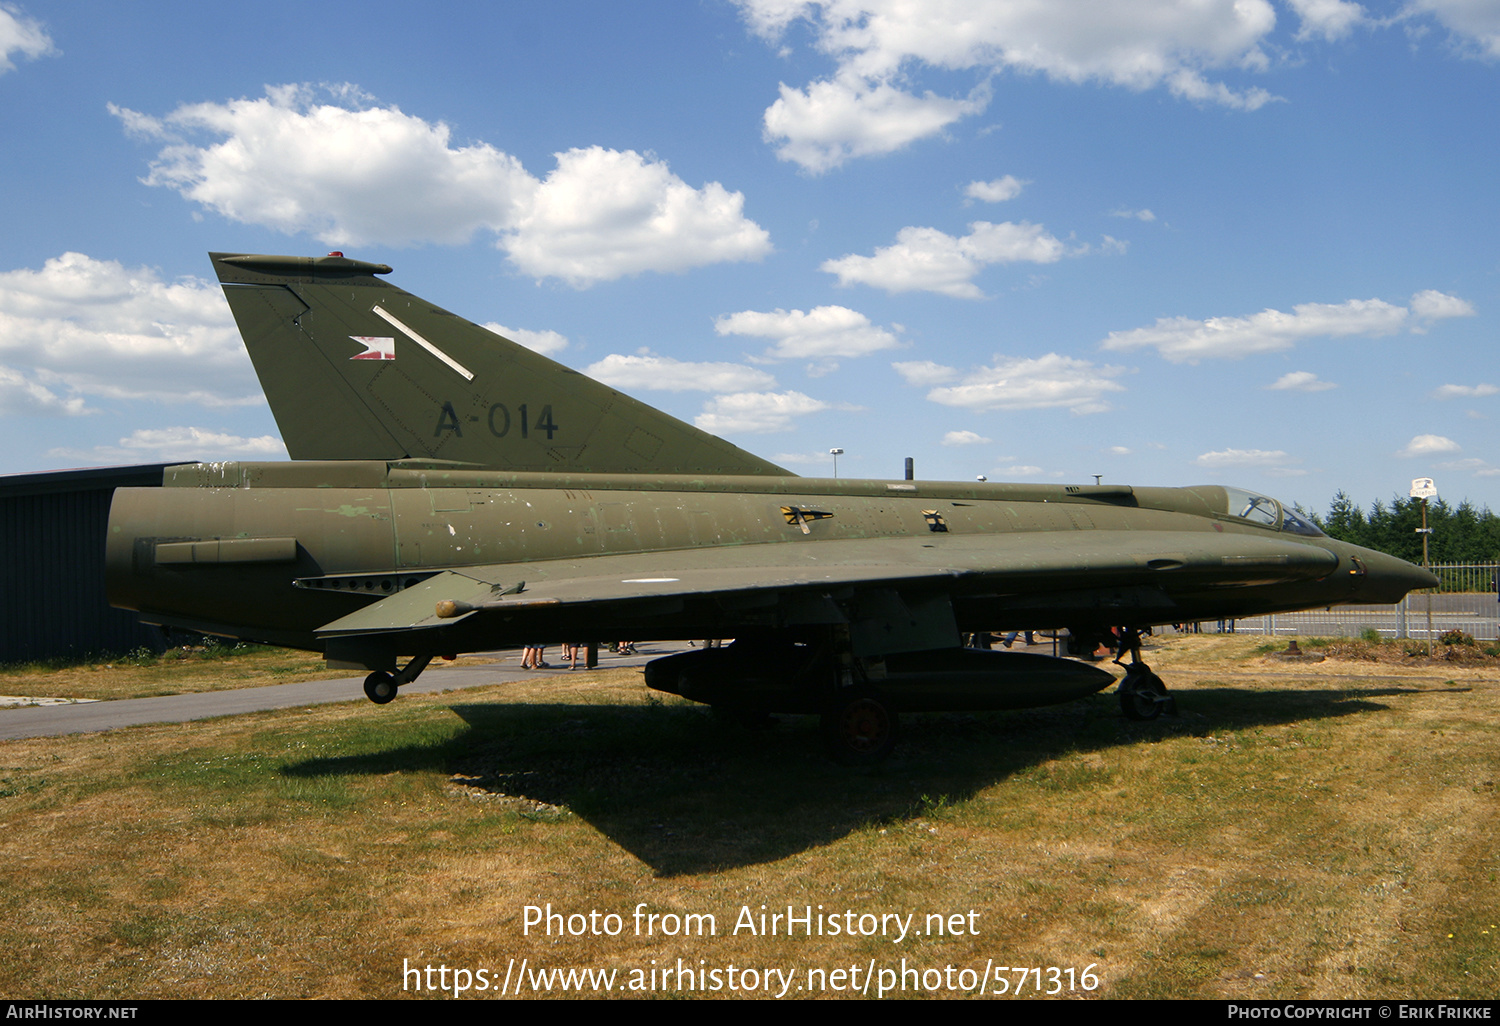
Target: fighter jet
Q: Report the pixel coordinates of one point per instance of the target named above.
(452, 491)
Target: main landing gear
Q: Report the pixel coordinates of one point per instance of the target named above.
(381, 686)
(859, 726)
(1143, 696)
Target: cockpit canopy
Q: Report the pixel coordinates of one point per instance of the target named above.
(1267, 512)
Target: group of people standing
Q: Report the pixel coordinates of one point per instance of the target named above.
(531, 655)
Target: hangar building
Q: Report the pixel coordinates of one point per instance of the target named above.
(52, 531)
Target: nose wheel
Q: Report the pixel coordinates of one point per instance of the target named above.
(1143, 696)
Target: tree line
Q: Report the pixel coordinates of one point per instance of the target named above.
(1460, 534)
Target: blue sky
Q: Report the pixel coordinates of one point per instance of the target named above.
(1162, 242)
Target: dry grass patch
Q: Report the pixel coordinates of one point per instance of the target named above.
(1283, 837)
(178, 671)
(1410, 653)
(1259, 655)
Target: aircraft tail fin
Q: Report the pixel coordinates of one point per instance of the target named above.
(357, 369)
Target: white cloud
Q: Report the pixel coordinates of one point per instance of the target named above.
(1427, 445)
(21, 397)
(152, 445)
(1243, 458)
(348, 176)
(1046, 382)
(755, 412)
(1433, 305)
(1119, 450)
(544, 342)
(1475, 22)
(1330, 19)
(353, 174)
(1139, 215)
(21, 35)
(996, 191)
(1464, 391)
(1184, 340)
(646, 370)
(964, 438)
(1301, 381)
(603, 214)
(822, 333)
(1192, 86)
(181, 442)
(770, 18)
(1477, 467)
(831, 121)
(928, 260)
(101, 329)
(867, 106)
(925, 372)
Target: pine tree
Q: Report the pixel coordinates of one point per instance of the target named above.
(1460, 534)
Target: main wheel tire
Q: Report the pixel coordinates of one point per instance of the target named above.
(859, 728)
(1142, 696)
(380, 687)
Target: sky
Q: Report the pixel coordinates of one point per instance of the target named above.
(1164, 242)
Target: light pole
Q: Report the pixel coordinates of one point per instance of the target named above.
(835, 453)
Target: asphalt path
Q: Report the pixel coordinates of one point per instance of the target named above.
(53, 720)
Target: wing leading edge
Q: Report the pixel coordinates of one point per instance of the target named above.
(792, 583)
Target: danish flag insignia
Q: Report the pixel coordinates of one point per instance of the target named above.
(375, 348)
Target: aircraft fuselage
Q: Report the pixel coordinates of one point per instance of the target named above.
(273, 552)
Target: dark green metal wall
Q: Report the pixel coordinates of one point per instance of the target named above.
(52, 531)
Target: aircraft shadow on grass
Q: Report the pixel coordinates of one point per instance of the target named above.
(688, 794)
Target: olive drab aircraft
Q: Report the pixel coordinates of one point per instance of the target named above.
(452, 491)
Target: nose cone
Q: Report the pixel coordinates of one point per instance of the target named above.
(1388, 579)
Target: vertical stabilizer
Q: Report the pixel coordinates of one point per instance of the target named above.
(357, 369)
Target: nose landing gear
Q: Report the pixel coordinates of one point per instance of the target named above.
(1143, 695)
